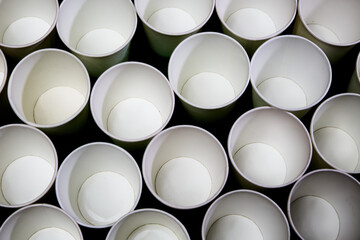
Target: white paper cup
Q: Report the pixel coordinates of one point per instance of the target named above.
(290, 73)
(167, 23)
(132, 102)
(3, 81)
(40, 221)
(50, 89)
(324, 204)
(244, 214)
(28, 165)
(209, 72)
(332, 25)
(98, 183)
(25, 28)
(335, 133)
(148, 224)
(98, 32)
(354, 84)
(185, 167)
(253, 22)
(269, 148)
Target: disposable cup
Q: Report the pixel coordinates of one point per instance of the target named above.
(354, 84)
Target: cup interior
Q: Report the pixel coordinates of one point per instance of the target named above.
(28, 165)
(3, 70)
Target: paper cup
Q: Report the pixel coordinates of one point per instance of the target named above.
(324, 204)
(98, 32)
(40, 221)
(332, 25)
(244, 214)
(148, 224)
(354, 84)
(167, 23)
(28, 165)
(25, 28)
(278, 77)
(98, 183)
(132, 102)
(50, 89)
(185, 167)
(253, 22)
(269, 148)
(209, 72)
(3, 71)
(335, 133)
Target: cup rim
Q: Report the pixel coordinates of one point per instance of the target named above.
(240, 191)
(148, 181)
(102, 55)
(298, 109)
(357, 67)
(3, 83)
(140, 210)
(184, 33)
(68, 158)
(205, 34)
(43, 205)
(56, 161)
(63, 122)
(278, 32)
(291, 117)
(311, 130)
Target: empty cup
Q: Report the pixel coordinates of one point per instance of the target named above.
(253, 22)
(98, 183)
(3, 71)
(132, 102)
(324, 204)
(28, 165)
(244, 214)
(26, 27)
(185, 167)
(148, 224)
(278, 77)
(335, 133)
(332, 25)
(40, 221)
(354, 84)
(269, 148)
(50, 89)
(98, 32)
(209, 72)
(167, 23)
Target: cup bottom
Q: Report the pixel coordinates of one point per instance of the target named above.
(172, 20)
(338, 147)
(25, 179)
(208, 89)
(100, 41)
(283, 92)
(315, 218)
(251, 22)
(105, 197)
(324, 33)
(18, 32)
(152, 231)
(52, 233)
(261, 163)
(184, 182)
(134, 118)
(57, 104)
(234, 227)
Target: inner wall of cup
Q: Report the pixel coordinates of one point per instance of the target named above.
(84, 163)
(287, 57)
(278, 130)
(342, 113)
(13, 10)
(77, 18)
(264, 213)
(340, 191)
(17, 141)
(209, 53)
(27, 221)
(3, 70)
(319, 17)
